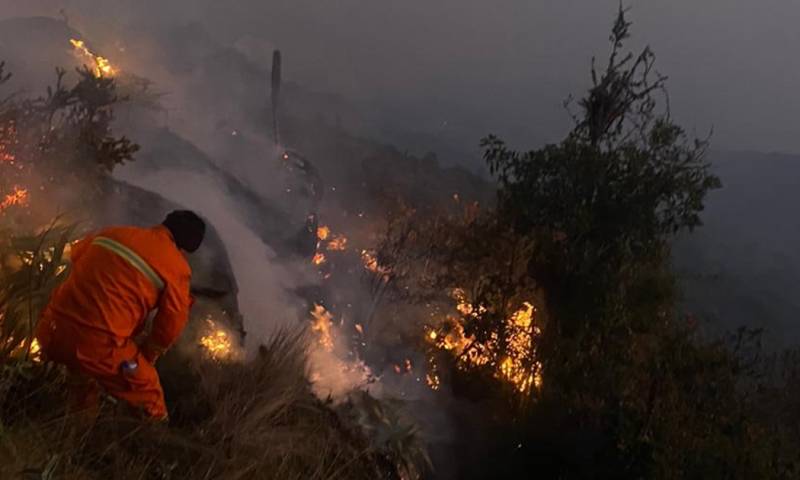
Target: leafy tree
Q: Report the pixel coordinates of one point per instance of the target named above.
(582, 229)
(603, 204)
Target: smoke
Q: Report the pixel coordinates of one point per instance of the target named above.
(335, 368)
(265, 284)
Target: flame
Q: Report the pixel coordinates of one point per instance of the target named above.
(102, 66)
(433, 381)
(464, 306)
(513, 367)
(18, 197)
(218, 344)
(321, 324)
(337, 243)
(319, 258)
(405, 368)
(36, 351)
(323, 232)
(513, 364)
(370, 261)
(333, 372)
(21, 348)
(8, 138)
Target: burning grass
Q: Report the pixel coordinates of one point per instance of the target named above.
(230, 418)
(218, 342)
(244, 420)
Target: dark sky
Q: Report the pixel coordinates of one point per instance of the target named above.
(463, 68)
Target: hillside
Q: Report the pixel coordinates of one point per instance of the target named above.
(741, 266)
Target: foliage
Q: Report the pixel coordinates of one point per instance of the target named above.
(611, 194)
(239, 420)
(470, 271)
(63, 137)
(390, 433)
(223, 413)
(32, 266)
(582, 229)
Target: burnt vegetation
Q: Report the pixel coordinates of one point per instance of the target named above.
(549, 318)
(630, 386)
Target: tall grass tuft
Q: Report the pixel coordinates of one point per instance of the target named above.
(32, 265)
(230, 420)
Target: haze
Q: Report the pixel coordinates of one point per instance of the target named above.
(439, 75)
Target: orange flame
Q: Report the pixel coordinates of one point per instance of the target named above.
(18, 197)
(218, 343)
(22, 348)
(102, 66)
(514, 365)
(322, 322)
(337, 243)
(8, 137)
(433, 381)
(370, 261)
(319, 258)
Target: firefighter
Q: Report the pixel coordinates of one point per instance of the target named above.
(93, 323)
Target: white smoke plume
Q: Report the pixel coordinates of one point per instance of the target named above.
(265, 285)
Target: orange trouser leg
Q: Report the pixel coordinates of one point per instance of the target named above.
(142, 389)
(95, 360)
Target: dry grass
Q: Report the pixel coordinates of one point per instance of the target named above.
(252, 420)
(243, 421)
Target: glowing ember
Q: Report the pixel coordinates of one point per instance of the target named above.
(334, 242)
(515, 367)
(370, 262)
(432, 380)
(8, 138)
(359, 329)
(21, 348)
(464, 306)
(217, 343)
(338, 243)
(102, 66)
(36, 351)
(322, 322)
(319, 258)
(18, 197)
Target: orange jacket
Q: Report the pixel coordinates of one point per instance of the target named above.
(118, 276)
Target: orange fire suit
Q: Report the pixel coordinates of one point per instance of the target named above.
(118, 276)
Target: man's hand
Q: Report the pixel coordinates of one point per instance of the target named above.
(150, 351)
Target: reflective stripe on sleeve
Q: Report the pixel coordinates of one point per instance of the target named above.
(132, 258)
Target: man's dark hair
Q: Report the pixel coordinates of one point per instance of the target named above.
(187, 229)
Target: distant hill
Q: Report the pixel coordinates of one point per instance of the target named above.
(743, 266)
